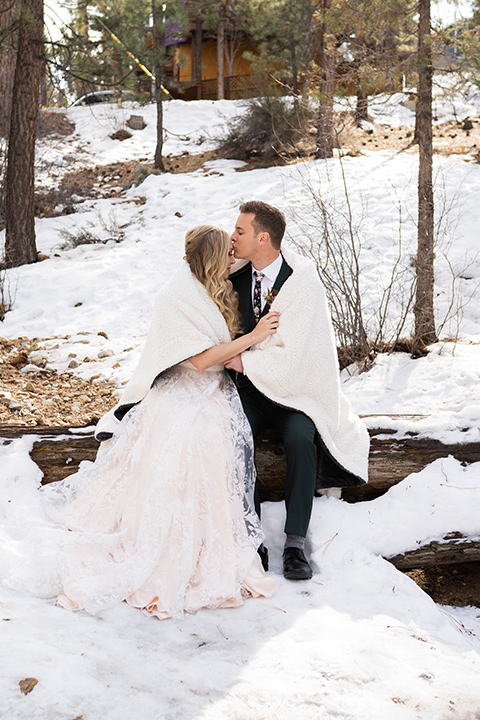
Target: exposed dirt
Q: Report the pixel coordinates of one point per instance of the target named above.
(53, 124)
(448, 138)
(108, 181)
(451, 584)
(44, 396)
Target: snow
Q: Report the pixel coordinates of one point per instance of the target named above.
(361, 640)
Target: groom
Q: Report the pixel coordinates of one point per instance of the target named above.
(257, 239)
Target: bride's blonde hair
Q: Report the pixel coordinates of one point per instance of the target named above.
(206, 251)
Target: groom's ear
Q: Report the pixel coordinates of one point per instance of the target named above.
(264, 238)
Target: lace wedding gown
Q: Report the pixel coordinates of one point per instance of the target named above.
(164, 518)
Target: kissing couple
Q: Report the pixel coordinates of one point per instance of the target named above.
(168, 517)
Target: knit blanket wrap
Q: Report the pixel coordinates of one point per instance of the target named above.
(186, 321)
(298, 367)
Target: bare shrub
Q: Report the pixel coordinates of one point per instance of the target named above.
(88, 234)
(332, 238)
(7, 294)
(270, 128)
(140, 173)
(460, 275)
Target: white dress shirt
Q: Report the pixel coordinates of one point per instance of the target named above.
(270, 274)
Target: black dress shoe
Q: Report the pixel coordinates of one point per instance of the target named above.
(295, 565)
(263, 552)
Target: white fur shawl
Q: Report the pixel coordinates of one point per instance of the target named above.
(298, 366)
(186, 321)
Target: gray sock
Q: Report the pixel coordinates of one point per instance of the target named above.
(296, 541)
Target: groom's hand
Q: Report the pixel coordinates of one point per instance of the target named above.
(235, 363)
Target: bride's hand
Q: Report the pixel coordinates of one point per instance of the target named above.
(267, 325)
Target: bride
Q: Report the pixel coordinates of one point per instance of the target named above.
(164, 518)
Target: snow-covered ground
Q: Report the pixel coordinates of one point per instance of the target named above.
(360, 640)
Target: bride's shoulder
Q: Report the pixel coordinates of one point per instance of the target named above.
(239, 269)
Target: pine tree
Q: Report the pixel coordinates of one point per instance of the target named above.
(20, 247)
(91, 58)
(423, 308)
(284, 32)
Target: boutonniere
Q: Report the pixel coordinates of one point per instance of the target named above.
(270, 296)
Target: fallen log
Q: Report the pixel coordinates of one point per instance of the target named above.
(58, 452)
(391, 461)
(452, 550)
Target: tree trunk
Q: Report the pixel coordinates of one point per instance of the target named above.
(361, 110)
(20, 245)
(221, 50)
(158, 71)
(293, 60)
(307, 81)
(117, 73)
(198, 55)
(389, 60)
(81, 24)
(325, 108)
(43, 90)
(7, 68)
(423, 309)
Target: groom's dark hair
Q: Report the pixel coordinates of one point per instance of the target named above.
(267, 219)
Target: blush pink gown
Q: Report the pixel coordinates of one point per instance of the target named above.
(165, 518)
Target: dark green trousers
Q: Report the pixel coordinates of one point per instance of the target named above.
(298, 434)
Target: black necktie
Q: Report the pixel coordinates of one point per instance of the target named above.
(257, 295)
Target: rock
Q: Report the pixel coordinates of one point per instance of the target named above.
(121, 135)
(178, 214)
(27, 684)
(29, 387)
(73, 364)
(105, 354)
(72, 355)
(18, 359)
(14, 405)
(38, 360)
(41, 257)
(467, 124)
(136, 122)
(103, 334)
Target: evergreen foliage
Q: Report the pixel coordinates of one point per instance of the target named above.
(90, 58)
